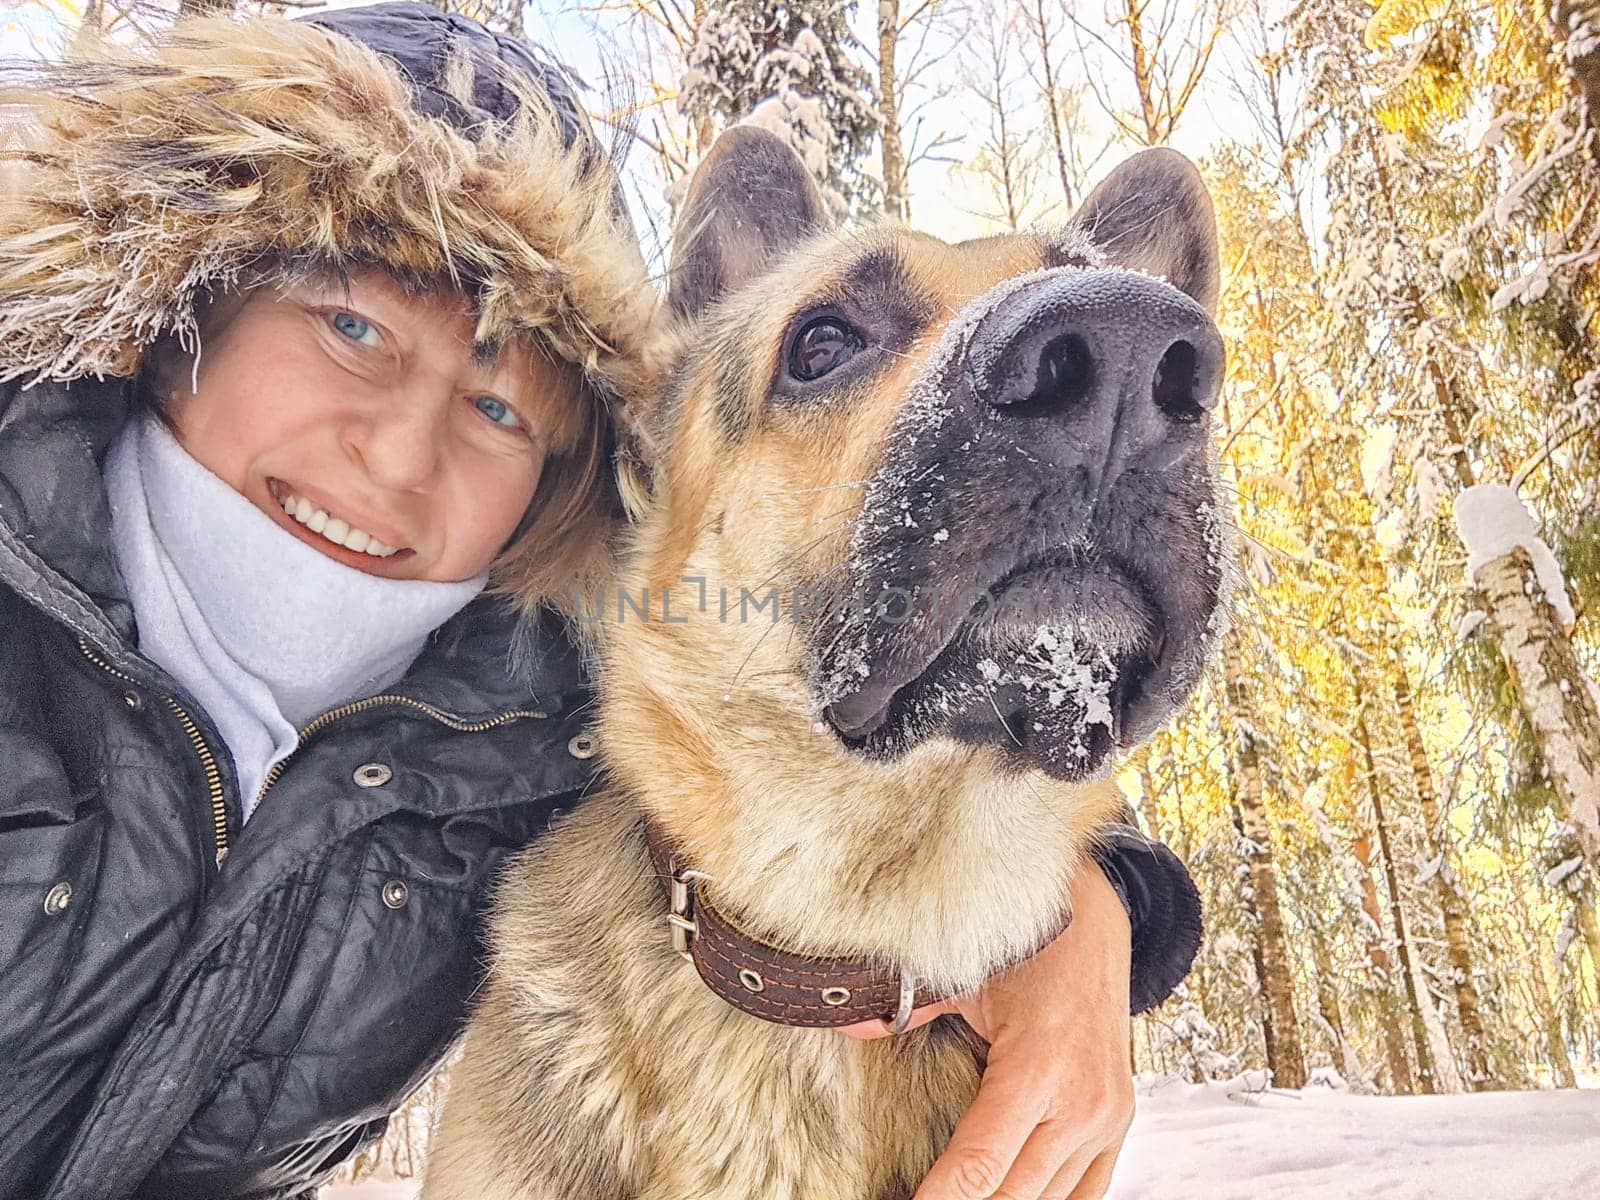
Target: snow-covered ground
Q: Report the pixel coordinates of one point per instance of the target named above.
(1224, 1142)
(1192, 1142)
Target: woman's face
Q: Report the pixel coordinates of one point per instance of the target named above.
(359, 420)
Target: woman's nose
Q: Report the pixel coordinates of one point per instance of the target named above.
(402, 444)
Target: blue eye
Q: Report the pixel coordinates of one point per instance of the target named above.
(354, 328)
(497, 411)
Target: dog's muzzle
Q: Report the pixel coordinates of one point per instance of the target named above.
(1059, 443)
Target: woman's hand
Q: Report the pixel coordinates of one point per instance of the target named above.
(1057, 1096)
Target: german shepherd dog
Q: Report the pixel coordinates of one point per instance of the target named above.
(994, 459)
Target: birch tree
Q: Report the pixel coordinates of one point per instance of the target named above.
(1158, 48)
(1006, 158)
(914, 40)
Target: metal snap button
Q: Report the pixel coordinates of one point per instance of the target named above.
(751, 981)
(395, 894)
(57, 899)
(373, 774)
(581, 746)
(133, 700)
(836, 996)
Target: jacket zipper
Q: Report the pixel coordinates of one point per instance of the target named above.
(213, 776)
(320, 722)
(208, 761)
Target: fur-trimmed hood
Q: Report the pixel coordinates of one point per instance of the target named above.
(150, 174)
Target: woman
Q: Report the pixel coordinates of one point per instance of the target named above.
(318, 335)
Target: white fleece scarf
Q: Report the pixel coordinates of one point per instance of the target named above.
(261, 628)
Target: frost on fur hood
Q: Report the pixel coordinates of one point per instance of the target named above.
(147, 175)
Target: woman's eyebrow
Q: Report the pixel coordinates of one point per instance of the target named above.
(314, 291)
(486, 354)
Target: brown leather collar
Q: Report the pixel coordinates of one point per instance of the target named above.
(774, 984)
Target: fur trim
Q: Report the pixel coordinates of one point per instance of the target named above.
(152, 174)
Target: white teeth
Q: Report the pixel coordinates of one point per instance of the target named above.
(335, 530)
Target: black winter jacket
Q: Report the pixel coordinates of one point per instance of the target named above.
(171, 1028)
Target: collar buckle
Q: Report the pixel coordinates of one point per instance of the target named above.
(681, 915)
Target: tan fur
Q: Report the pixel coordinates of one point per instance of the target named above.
(599, 1065)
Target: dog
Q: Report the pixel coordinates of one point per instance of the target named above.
(933, 531)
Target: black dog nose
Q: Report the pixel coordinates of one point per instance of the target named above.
(1107, 368)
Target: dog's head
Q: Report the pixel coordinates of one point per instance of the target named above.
(939, 492)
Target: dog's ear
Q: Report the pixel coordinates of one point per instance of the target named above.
(1154, 213)
(751, 198)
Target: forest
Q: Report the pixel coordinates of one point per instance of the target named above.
(1388, 785)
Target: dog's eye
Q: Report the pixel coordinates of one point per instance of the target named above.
(824, 345)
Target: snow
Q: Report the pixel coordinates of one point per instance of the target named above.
(1428, 868)
(1455, 263)
(1495, 131)
(1219, 1142)
(799, 121)
(1429, 486)
(1493, 522)
(373, 1189)
(1587, 388)
(1562, 871)
(1565, 936)
(1583, 38)
(1377, 460)
(1390, 532)
(1233, 1141)
(1567, 142)
(1524, 289)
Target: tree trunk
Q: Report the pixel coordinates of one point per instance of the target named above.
(1038, 17)
(1143, 81)
(894, 159)
(1270, 946)
(1007, 160)
(1457, 926)
(1394, 1038)
(1556, 696)
(1589, 930)
(1426, 1075)
(1544, 998)
(1328, 1007)
(704, 130)
(1584, 68)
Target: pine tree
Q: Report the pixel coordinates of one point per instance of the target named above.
(790, 66)
(1194, 1043)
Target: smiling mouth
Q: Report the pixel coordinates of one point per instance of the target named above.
(328, 530)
